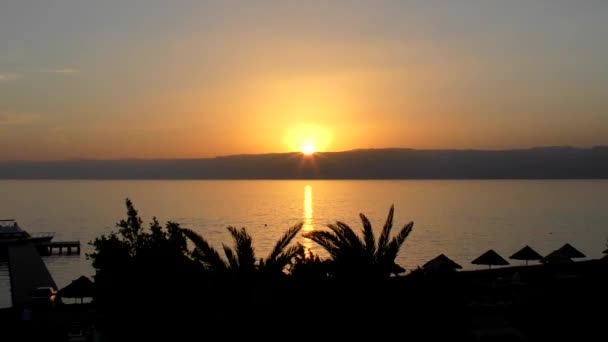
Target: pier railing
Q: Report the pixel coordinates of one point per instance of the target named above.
(49, 248)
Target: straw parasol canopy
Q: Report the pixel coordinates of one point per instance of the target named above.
(79, 288)
(441, 263)
(563, 255)
(490, 258)
(570, 251)
(557, 257)
(527, 254)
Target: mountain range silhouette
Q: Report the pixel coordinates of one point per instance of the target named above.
(392, 163)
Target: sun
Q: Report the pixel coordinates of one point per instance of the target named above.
(308, 149)
(308, 139)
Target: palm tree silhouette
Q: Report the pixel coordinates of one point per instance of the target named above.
(241, 260)
(353, 257)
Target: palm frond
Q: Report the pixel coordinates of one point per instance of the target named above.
(352, 256)
(232, 260)
(343, 240)
(243, 247)
(284, 241)
(353, 240)
(286, 257)
(368, 236)
(395, 245)
(197, 254)
(328, 240)
(386, 231)
(206, 254)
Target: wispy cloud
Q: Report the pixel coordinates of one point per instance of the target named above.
(59, 71)
(10, 76)
(8, 119)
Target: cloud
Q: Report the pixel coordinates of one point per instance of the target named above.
(59, 71)
(17, 119)
(10, 76)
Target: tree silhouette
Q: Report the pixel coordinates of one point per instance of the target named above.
(240, 260)
(353, 257)
(134, 263)
(134, 248)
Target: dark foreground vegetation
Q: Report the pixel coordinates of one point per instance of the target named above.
(168, 283)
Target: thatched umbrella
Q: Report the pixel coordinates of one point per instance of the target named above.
(570, 251)
(527, 254)
(557, 257)
(441, 263)
(563, 255)
(490, 258)
(79, 288)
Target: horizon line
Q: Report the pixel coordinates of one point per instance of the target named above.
(315, 153)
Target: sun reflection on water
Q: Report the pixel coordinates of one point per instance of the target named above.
(308, 226)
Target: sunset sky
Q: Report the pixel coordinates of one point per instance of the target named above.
(187, 79)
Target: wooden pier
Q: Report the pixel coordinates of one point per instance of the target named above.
(48, 248)
(27, 272)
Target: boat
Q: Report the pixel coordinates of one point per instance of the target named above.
(11, 233)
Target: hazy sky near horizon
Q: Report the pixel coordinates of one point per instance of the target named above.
(163, 79)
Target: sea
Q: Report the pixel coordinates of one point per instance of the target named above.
(459, 218)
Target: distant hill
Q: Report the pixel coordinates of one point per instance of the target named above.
(394, 163)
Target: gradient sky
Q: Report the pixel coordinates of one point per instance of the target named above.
(164, 79)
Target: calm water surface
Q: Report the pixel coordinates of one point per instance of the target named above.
(461, 219)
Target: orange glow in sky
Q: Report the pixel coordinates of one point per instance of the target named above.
(204, 79)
